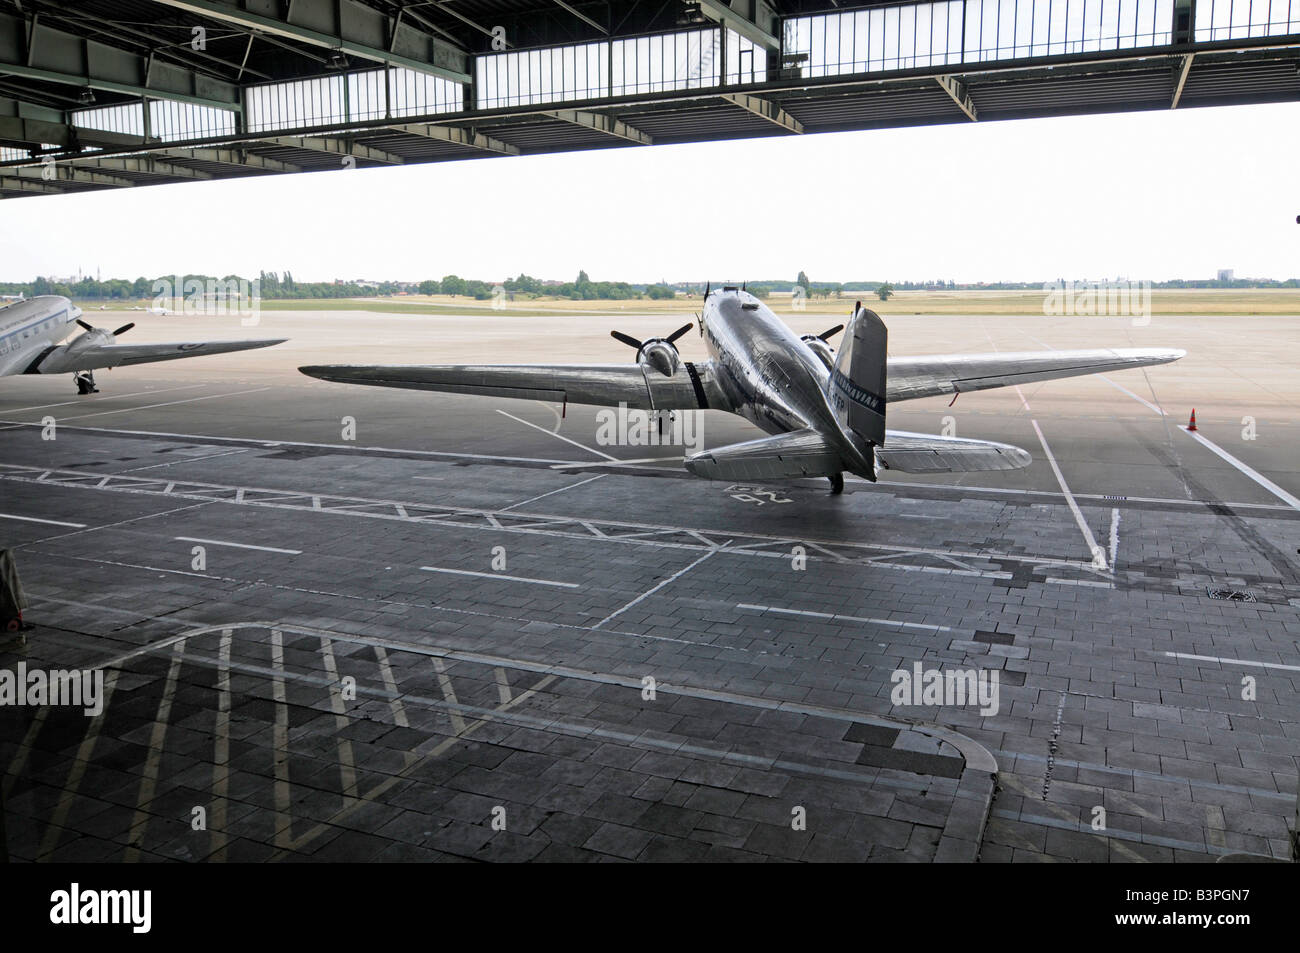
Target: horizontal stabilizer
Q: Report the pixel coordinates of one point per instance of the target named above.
(803, 453)
(922, 453)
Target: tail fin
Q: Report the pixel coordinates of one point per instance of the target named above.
(857, 389)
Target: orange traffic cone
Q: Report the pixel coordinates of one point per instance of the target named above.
(1191, 424)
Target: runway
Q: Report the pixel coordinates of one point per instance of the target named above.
(473, 632)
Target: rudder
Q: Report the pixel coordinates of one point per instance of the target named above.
(857, 388)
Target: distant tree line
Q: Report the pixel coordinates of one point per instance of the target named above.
(274, 285)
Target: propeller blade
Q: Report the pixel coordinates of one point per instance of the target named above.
(707, 286)
(626, 339)
(678, 333)
(84, 325)
(123, 329)
(827, 335)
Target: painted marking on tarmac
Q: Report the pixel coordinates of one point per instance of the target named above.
(347, 760)
(1250, 663)
(1114, 537)
(221, 750)
(1259, 478)
(534, 499)
(650, 592)
(501, 575)
(166, 403)
(563, 464)
(79, 764)
(581, 446)
(634, 464)
(33, 519)
(845, 618)
(100, 399)
(1098, 554)
(225, 542)
(149, 778)
(280, 742)
(1141, 400)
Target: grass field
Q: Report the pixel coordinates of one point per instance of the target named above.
(1174, 301)
(1240, 302)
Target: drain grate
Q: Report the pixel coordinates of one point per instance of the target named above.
(1232, 595)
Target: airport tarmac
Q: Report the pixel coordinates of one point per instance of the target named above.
(501, 589)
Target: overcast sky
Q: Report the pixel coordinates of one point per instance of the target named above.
(1151, 195)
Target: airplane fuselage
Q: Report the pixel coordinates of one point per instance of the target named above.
(774, 378)
(29, 327)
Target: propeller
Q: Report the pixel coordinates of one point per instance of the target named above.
(659, 353)
(122, 330)
(827, 335)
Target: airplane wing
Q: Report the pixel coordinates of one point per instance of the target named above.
(693, 387)
(922, 453)
(913, 377)
(65, 358)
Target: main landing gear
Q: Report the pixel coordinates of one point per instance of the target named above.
(85, 381)
(837, 484)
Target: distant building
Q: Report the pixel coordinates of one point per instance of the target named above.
(1225, 274)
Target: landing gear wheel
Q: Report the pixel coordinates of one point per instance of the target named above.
(85, 381)
(837, 484)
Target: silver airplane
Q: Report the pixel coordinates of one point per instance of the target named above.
(825, 410)
(31, 329)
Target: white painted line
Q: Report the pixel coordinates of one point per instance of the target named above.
(618, 463)
(557, 436)
(1098, 554)
(846, 618)
(571, 486)
(1114, 536)
(222, 542)
(33, 519)
(341, 447)
(166, 403)
(1140, 400)
(650, 592)
(1234, 661)
(100, 399)
(1259, 478)
(501, 575)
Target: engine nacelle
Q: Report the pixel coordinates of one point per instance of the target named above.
(660, 355)
(823, 350)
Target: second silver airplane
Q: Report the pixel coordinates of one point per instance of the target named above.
(824, 410)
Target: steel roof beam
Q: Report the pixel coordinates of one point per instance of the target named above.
(55, 56)
(144, 164)
(755, 20)
(1180, 78)
(956, 89)
(238, 157)
(582, 16)
(603, 123)
(766, 109)
(34, 186)
(459, 136)
(64, 172)
(337, 147)
(346, 26)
